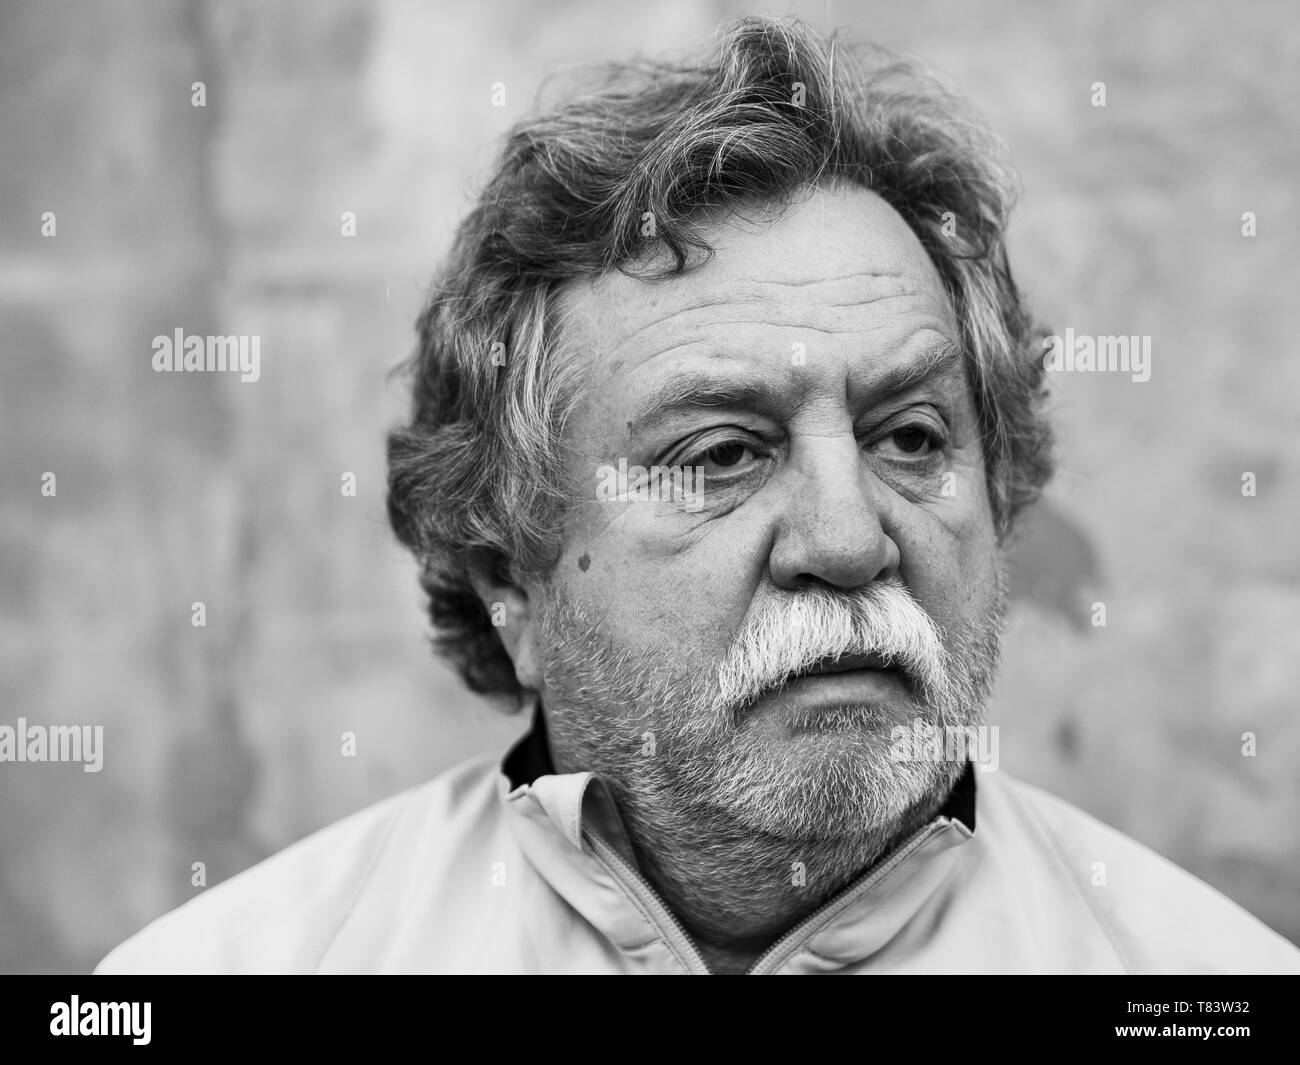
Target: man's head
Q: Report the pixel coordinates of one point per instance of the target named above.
(783, 276)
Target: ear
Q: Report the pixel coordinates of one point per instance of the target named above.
(508, 607)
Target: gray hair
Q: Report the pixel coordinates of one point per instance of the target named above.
(475, 482)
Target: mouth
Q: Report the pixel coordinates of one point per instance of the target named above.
(845, 664)
(822, 691)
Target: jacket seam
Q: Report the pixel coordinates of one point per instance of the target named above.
(362, 882)
(1097, 915)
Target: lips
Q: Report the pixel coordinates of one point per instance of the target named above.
(834, 683)
(845, 664)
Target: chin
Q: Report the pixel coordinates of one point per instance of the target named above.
(824, 785)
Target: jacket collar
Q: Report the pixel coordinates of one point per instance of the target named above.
(554, 817)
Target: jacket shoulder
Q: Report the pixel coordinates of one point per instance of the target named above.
(1159, 918)
(281, 915)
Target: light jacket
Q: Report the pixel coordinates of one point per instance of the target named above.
(513, 868)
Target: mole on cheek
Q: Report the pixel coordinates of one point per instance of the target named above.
(584, 562)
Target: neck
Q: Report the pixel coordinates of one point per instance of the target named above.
(737, 891)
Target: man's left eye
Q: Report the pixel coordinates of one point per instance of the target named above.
(912, 440)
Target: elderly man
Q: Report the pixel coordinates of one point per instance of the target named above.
(725, 406)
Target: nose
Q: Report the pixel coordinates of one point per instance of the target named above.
(831, 529)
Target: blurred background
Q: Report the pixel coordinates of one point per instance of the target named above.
(222, 744)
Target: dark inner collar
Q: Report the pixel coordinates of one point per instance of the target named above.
(530, 758)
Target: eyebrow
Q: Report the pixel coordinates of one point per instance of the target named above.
(701, 391)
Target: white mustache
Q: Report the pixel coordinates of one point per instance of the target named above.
(792, 633)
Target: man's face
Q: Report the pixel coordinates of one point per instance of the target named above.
(810, 375)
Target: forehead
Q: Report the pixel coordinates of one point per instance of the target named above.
(838, 271)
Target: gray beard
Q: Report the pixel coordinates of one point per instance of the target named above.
(736, 836)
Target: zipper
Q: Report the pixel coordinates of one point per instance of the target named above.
(772, 959)
(630, 879)
(680, 942)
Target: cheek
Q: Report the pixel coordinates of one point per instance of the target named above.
(680, 597)
(948, 556)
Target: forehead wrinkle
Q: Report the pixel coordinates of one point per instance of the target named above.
(751, 291)
(727, 349)
(824, 279)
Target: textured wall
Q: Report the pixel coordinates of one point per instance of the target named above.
(222, 743)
